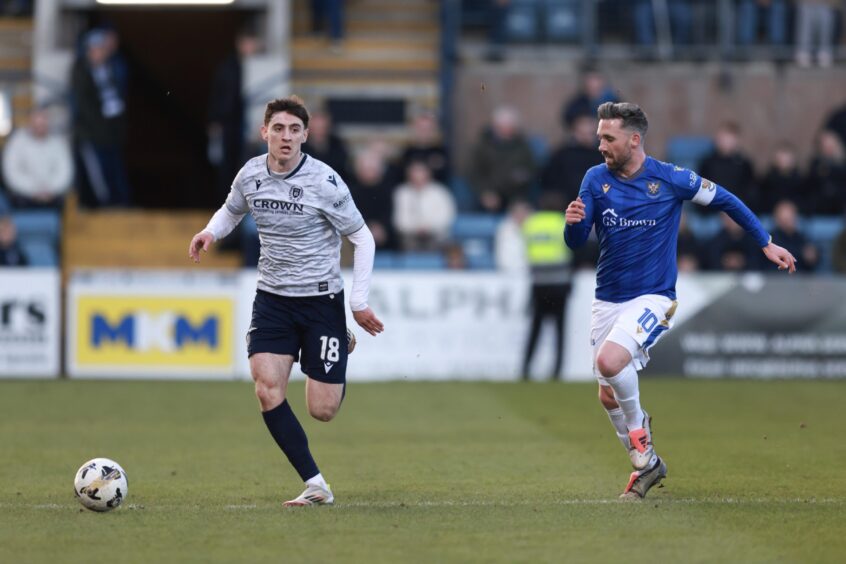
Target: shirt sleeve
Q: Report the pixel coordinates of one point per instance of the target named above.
(575, 235)
(690, 186)
(231, 212)
(339, 207)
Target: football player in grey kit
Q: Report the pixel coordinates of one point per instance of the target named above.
(302, 208)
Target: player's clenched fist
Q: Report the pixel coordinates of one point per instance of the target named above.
(575, 212)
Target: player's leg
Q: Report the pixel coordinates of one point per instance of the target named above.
(323, 400)
(273, 346)
(615, 414)
(603, 317)
(534, 330)
(323, 330)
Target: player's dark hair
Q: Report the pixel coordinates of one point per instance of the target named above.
(292, 105)
(630, 114)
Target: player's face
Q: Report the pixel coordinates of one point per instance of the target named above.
(285, 134)
(615, 143)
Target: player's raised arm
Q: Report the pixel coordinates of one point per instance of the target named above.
(365, 250)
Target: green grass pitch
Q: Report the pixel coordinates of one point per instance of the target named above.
(427, 472)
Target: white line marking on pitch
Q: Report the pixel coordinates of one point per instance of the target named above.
(467, 503)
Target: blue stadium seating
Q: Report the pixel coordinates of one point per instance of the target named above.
(38, 234)
(521, 21)
(688, 150)
(475, 232)
(385, 259)
(39, 251)
(421, 261)
(563, 20)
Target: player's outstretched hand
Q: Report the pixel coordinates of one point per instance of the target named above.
(368, 321)
(781, 257)
(575, 212)
(201, 240)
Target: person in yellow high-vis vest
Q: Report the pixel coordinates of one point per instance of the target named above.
(549, 261)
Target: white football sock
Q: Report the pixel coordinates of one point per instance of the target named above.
(618, 419)
(317, 481)
(627, 395)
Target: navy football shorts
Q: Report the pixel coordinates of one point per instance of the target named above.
(313, 329)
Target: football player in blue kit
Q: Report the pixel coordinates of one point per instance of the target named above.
(302, 208)
(635, 201)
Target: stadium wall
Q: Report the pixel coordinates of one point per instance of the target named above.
(771, 102)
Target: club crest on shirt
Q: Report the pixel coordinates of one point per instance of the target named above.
(653, 188)
(606, 187)
(295, 193)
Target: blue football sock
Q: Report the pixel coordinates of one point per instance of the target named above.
(289, 435)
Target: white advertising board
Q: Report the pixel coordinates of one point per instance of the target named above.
(30, 318)
(438, 326)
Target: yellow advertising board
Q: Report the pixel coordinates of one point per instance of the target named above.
(154, 331)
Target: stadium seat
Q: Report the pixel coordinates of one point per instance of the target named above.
(38, 234)
(465, 199)
(562, 21)
(39, 251)
(475, 225)
(38, 223)
(688, 150)
(521, 21)
(421, 261)
(385, 259)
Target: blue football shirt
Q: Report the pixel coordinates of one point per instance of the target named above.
(637, 224)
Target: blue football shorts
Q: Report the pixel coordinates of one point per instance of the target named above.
(313, 329)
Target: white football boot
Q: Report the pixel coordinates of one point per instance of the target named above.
(641, 450)
(641, 481)
(313, 495)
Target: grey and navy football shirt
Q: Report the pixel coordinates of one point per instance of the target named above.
(300, 216)
(637, 224)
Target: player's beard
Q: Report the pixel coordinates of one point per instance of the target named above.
(618, 163)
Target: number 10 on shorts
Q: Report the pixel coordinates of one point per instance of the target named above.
(329, 349)
(647, 320)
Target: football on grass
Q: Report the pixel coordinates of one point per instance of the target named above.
(100, 484)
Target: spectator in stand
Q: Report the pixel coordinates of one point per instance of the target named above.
(226, 113)
(731, 249)
(783, 181)
(836, 122)
(426, 145)
(815, 20)
(826, 180)
(773, 12)
(788, 235)
(424, 210)
(566, 166)
(729, 166)
(99, 125)
(838, 252)
(329, 12)
(372, 192)
(509, 242)
(497, 14)
(594, 91)
(680, 15)
(690, 253)
(324, 144)
(502, 164)
(10, 250)
(454, 256)
(37, 164)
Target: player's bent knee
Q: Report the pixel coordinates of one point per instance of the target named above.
(323, 412)
(607, 365)
(269, 396)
